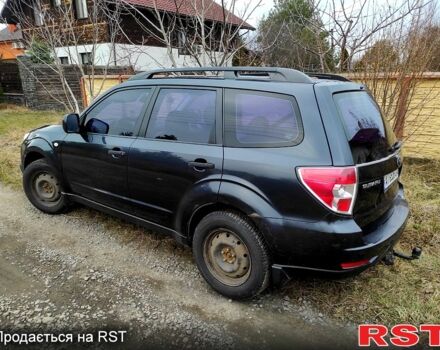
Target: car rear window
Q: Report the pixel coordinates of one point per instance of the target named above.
(260, 119)
(368, 133)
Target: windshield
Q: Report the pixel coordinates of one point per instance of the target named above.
(368, 133)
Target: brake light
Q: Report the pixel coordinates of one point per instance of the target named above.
(335, 187)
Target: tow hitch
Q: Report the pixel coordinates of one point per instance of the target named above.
(389, 258)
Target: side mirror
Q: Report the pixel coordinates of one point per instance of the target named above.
(97, 126)
(71, 123)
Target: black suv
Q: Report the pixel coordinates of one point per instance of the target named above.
(259, 170)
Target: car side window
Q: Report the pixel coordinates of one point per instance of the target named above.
(186, 115)
(118, 113)
(261, 119)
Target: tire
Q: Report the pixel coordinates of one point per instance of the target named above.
(231, 255)
(42, 186)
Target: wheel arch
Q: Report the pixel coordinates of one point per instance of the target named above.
(234, 197)
(204, 210)
(31, 157)
(39, 148)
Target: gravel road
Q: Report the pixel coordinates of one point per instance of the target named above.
(78, 272)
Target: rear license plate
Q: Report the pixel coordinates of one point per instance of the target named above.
(388, 179)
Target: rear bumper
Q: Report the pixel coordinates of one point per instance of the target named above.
(324, 246)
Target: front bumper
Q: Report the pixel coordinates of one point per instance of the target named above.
(324, 246)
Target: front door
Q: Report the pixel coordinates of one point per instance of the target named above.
(180, 156)
(95, 161)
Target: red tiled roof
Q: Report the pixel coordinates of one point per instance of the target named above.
(210, 9)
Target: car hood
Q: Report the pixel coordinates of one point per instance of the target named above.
(48, 132)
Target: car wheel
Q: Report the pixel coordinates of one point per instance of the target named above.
(42, 185)
(231, 255)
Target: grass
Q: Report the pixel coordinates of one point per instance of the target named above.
(405, 292)
(14, 123)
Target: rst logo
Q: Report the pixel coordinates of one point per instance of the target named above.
(404, 335)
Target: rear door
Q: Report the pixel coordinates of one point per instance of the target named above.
(371, 145)
(267, 135)
(180, 157)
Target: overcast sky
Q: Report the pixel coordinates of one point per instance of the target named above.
(263, 9)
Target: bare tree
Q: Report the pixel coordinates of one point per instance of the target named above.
(354, 26)
(394, 69)
(298, 36)
(58, 29)
(189, 33)
(386, 45)
(345, 27)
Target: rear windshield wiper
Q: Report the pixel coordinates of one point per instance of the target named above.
(396, 145)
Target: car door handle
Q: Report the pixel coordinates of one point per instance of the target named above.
(201, 166)
(116, 153)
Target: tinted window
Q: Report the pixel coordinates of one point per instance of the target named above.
(184, 115)
(120, 111)
(258, 119)
(368, 134)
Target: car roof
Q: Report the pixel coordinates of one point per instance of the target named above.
(246, 84)
(244, 77)
(274, 74)
(263, 79)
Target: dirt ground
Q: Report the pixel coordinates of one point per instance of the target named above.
(75, 273)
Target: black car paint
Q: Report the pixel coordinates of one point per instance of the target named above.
(153, 184)
(83, 155)
(43, 142)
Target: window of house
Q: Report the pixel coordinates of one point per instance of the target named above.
(18, 45)
(182, 43)
(81, 9)
(260, 119)
(64, 59)
(121, 112)
(38, 14)
(185, 115)
(86, 58)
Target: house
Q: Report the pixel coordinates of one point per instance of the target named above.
(144, 34)
(11, 43)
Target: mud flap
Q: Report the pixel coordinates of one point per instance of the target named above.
(279, 276)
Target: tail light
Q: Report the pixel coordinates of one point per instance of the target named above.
(335, 187)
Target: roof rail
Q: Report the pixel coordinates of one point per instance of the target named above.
(328, 76)
(242, 73)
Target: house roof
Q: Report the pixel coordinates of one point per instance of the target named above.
(211, 10)
(6, 35)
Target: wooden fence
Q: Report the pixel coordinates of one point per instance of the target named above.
(10, 82)
(422, 125)
(97, 85)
